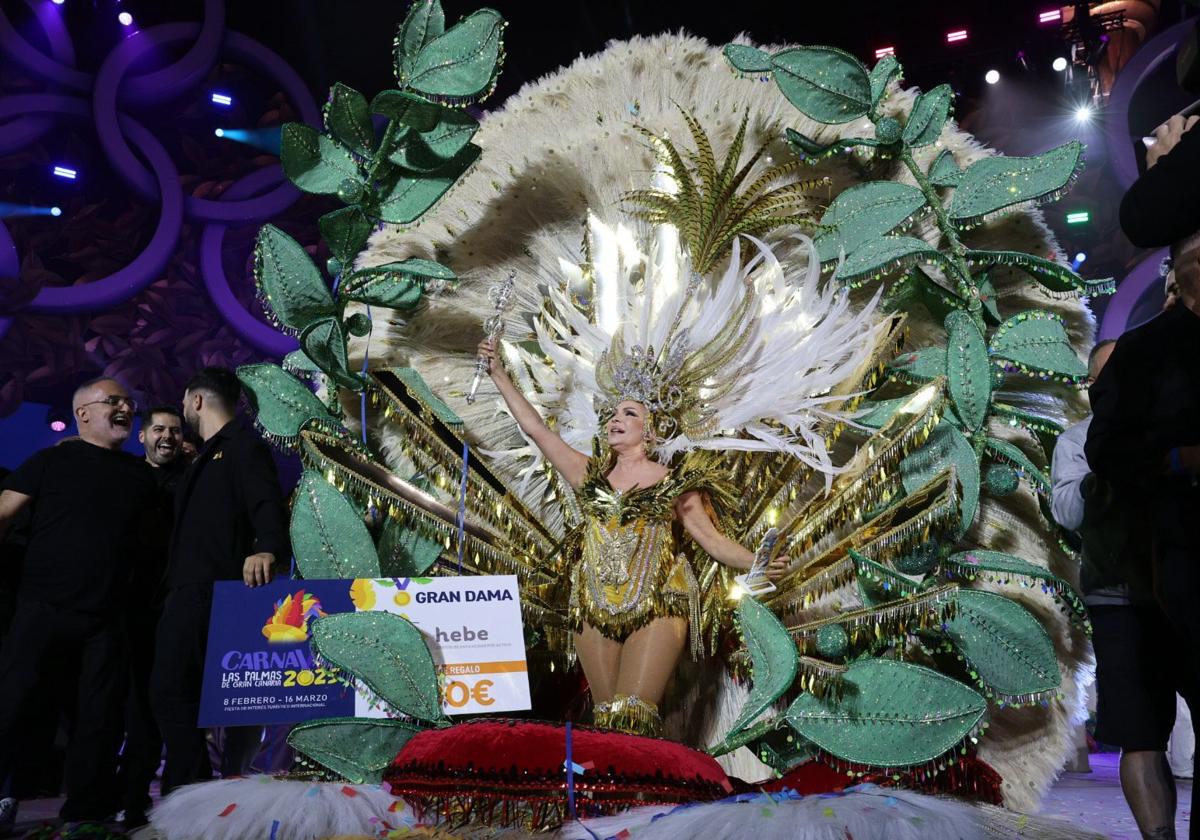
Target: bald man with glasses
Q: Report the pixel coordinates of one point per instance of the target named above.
(87, 502)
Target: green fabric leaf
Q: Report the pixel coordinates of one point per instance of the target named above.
(881, 75)
(1055, 277)
(412, 196)
(891, 714)
(282, 403)
(946, 447)
(997, 565)
(357, 749)
(426, 151)
(419, 390)
(928, 116)
(298, 361)
(917, 288)
(987, 299)
(995, 183)
(1004, 644)
(879, 584)
(346, 232)
(773, 657)
(314, 162)
(826, 84)
(920, 366)
(804, 146)
(462, 63)
(968, 370)
(882, 256)
(329, 539)
(1037, 342)
(403, 552)
(293, 286)
(424, 22)
(324, 342)
(407, 109)
(748, 60)
(397, 285)
(863, 213)
(1013, 455)
(945, 172)
(778, 746)
(877, 414)
(348, 118)
(387, 654)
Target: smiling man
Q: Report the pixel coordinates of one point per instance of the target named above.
(87, 502)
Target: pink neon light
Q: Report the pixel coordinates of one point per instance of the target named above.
(956, 36)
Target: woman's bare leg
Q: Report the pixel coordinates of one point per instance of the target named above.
(648, 658)
(601, 661)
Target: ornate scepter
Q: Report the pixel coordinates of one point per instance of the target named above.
(501, 297)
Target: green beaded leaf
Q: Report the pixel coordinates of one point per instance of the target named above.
(968, 370)
(748, 60)
(779, 747)
(314, 162)
(928, 117)
(419, 389)
(773, 657)
(987, 299)
(357, 749)
(426, 151)
(461, 64)
(877, 583)
(348, 118)
(918, 288)
(881, 74)
(407, 109)
(882, 256)
(945, 172)
(890, 714)
(293, 286)
(324, 342)
(1037, 342)
(826, 84)
(403, 552)
(424, 22)
(282, 403)
(1004, 645)
(864, 212)
(329, 539)
(397, 285)
(1055, 277)
(804, 146)
(994, 183)
(997, 565)
(877, 414)
(946, 447)
(346, 231)
(1012, 454)
(298, 362)
(920, 366)
(410, 197)
(387, 654)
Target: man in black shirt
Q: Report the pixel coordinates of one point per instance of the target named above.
(87, 500)
(230, 524)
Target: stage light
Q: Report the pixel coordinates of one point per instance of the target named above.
(66, 172)
(1079, 217)
(1080, 258)
(57, 419)
(125, 19)
(266, 139)
(956, 36)
(1083, 113)
(55, 211)
(991, 76)
(220, 132)
(58, 2)
(222, 99)
(882, 51)
(9, 210)
(1060, 64)
(1050, 16)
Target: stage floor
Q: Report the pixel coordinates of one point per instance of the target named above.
(1091, 800)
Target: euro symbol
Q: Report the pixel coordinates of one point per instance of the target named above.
(480, 693)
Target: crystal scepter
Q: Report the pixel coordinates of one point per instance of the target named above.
(501, 297)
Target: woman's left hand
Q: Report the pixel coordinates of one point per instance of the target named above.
(777, 568)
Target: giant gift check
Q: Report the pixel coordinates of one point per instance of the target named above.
(259, 667)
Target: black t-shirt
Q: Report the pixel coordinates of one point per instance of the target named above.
(87, 522)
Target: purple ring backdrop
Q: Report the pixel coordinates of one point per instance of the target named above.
(22, 131)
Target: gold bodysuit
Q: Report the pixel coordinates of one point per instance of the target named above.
(627, 563)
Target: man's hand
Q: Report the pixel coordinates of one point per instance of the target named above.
(257, 569)
(1167, 136)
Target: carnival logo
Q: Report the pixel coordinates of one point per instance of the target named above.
(289, 622)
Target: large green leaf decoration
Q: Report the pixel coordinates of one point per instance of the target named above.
(397, 285)
(882, 256)
(968, 370)
(1036, 342)
(411, 196)
(826, 84)
(946, 447)
(324, 341)
(748, 60)
(329, 539)
(918, 288)
(928, 116)
(1007, 649)
(424, 22)
(1012, 454)
(773, 657)
(881, 74)
(864, 212)
(1000, 567)
(348, 118)
(876, 414)
(461, 64)
(426, 151)
(408, 109)
(313, 162)
(346, 232)
(288, 279)
(919, 366)
(403, 552)
(890, 714)
(357, 749)
(804, 146)
(945, 172)
(1055, 277)
(387, 654)
(282, 403)
(994, 183)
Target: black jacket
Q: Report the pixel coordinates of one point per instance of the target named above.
(227, 506)
(1163, 205)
